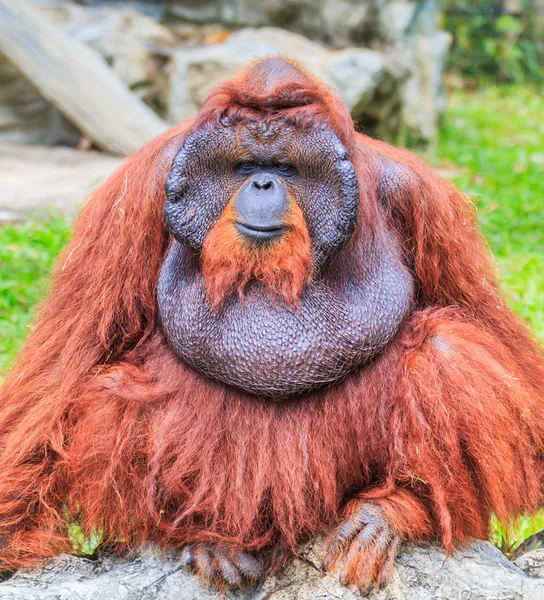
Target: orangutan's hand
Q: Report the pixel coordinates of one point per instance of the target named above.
(222, 566)
(365, 545)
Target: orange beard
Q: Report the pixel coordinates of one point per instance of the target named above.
(229, 262)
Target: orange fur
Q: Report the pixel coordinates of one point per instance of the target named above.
(229, 262)
(443, 428)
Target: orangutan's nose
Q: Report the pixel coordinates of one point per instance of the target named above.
(260, 207)
(263, 183)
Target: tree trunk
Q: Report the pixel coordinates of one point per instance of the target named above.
(77, 80)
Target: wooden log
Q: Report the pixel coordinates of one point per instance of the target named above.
(76, 79)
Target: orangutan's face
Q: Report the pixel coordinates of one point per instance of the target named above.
(253, 291)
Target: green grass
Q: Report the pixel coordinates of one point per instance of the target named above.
(492, 146)
(493, 141)
(27, 252)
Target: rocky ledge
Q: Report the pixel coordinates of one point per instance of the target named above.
(479, 572)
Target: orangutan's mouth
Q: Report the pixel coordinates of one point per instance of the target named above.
(255, 232)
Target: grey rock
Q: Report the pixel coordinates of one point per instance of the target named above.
(37, 179)
(25, 116)
(479, 572)
(532, 563)
(422, 97)
(131, 42)
(354, 72)
(340, 24)
(384, 57)
(414, 35)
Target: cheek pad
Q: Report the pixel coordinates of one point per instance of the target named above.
(199, 185)
(327, 191)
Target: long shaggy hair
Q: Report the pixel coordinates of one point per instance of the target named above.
(99, 418)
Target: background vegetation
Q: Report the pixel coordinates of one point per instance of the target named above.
(498, 39)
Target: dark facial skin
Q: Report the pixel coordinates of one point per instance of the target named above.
(216, 162)
(348, 313)
(261, 205)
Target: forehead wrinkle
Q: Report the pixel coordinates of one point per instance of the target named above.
(289, 142)
(266, 131)
(258, 143)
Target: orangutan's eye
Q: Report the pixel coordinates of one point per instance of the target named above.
(286, 169)
(245, 166)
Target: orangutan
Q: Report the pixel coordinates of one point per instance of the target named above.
(267, 327)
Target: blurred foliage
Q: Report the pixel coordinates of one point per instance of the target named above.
(502, 41)
(493, 143)
(84, 545)
(508, 537)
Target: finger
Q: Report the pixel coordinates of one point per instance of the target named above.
(367, 536)
(345, 534)
(392, 552)
(366, 561)
(249, 566)
(206, 566)
(366, 590)
(227, 569)
(188, 558)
